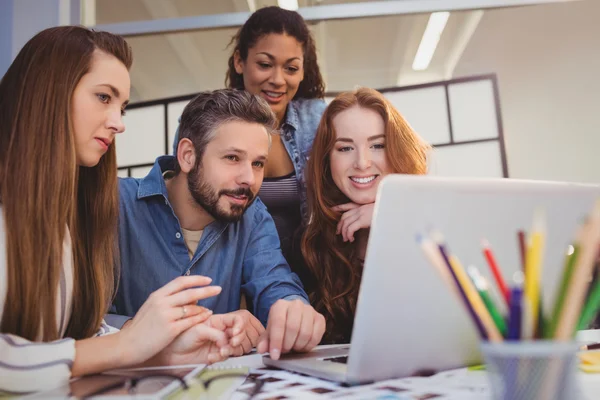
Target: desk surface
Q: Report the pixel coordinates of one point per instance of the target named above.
(456, 385)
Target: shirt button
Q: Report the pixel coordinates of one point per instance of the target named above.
(187, 272)
(178, 235)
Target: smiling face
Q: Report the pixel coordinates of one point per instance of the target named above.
(273, 70)
(358, 159)
(229, 176)
(98, 105)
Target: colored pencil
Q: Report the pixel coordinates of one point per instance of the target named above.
(533, 263)
(588, 250)
(432, 253)
(491, 260)
(478, 306)
(593, 346)
(570, 259)
(522, 248)
(515, 313)
(591, 308)
(439, 240)
(481, 286)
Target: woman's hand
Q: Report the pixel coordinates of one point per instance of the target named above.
(354, 217)
(200, 344)
(166, 314)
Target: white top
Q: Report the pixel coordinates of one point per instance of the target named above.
(27, 366)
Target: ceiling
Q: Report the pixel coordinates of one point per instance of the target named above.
(376, 52)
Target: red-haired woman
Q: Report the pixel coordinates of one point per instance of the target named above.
(361, 138)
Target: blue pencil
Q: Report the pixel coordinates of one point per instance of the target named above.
(514, 315)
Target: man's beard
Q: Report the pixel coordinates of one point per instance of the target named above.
(208, 198)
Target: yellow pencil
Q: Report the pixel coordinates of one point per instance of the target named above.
(479, 307)
(533, 262)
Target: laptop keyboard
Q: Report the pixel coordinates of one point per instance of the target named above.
(341, 359)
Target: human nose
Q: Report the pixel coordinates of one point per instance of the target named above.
(277, 77)
(115, 121)
(246, 176)
(363, 160)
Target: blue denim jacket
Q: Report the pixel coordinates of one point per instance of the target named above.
(298, 133)
(237, 256)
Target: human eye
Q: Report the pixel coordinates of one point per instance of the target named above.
(123, 112)
(232, 157)
(293, 69)
(344, 149)
(258, 164)
(264, 65)
(379, 146)
(103, 97)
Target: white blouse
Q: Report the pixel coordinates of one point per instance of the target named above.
(27, 366)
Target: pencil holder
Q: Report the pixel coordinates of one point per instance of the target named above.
(534, 370)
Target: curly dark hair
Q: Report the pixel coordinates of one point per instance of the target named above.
(277, 20)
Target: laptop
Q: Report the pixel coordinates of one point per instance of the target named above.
(407, 320)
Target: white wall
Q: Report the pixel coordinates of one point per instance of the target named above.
(547, 59)
(459, 119)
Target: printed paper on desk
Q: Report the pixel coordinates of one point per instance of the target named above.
(283, 385)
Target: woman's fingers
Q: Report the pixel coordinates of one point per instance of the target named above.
(344, 220)
(187, 311)
(190, 296)
(347, 222)
(183, 282)
(345, 207)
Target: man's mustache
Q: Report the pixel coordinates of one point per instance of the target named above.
(238, 192)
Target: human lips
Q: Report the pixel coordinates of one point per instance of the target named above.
(238, 199)
(238, 196)
(272, 96)
(104, 142)
(363, 179)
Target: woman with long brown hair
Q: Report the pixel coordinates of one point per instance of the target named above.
(361, 138)
(61, 106)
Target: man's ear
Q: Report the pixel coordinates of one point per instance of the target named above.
(238, 63)
(186, 155)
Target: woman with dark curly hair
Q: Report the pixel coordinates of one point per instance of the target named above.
(274, 57)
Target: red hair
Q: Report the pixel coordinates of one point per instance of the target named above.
(333, 265)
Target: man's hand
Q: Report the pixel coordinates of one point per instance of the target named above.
(199, 344)
(292, 325)
(242, 328)
(354, 217)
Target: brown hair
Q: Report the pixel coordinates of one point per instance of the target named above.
(269, 20)
(43, 191)
(333, 265)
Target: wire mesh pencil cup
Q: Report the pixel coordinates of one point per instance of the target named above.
(532, 370)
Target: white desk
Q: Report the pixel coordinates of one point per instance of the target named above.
(459, 384)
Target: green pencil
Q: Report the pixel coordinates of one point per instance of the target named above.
(562, 290)
(592, 306)
(482, 288)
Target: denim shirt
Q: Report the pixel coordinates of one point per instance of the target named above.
(298, 133)
(244, 255)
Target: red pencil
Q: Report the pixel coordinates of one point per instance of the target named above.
(489, 256)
